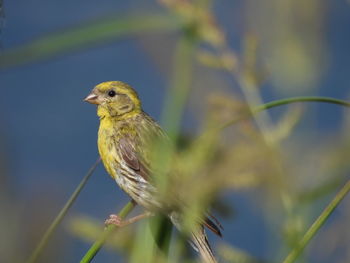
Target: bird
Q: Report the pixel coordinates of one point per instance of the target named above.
(125, 138)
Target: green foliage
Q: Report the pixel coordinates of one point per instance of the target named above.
(239, 147)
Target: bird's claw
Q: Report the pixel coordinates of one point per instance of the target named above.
(114, 220)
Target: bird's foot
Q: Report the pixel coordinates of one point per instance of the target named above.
(114, 220)
(119, 222)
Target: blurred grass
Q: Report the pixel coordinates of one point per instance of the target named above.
(311, 232)
(165, 230)
(49, 232)
(91, 34)
(96, 246)
(236, 255)
(160, 234)
(89, 230)
(255, 161)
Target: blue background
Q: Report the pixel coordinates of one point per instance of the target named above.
(48, 134)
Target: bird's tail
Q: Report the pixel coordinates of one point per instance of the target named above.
(201, 244)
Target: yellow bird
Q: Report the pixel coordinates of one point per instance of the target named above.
(125, 137)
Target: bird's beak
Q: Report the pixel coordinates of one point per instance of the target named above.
(92, 98)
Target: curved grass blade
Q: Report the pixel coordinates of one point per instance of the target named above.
(44, 240)
(300, 99)
(281, 102)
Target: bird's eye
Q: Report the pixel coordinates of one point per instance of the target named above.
(111, 93)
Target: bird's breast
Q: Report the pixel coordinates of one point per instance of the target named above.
(107, 150)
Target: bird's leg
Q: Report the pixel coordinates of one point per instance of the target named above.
(118, 221)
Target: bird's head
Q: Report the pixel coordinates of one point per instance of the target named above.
(114, 98)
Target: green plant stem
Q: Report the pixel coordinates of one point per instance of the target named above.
(44, 240)
(298, 249)
(299, 99)
(281, 102)
(90, 254)
(162, 228)
(180, 85)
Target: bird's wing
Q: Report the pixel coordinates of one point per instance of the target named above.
(213, 225)
(133, 158)
(138, 150)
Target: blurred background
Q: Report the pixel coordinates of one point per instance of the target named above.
(196, 65)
